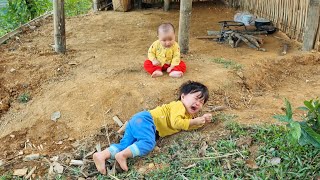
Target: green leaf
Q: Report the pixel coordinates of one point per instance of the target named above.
(288, 109)
(309, 105)
(283, 118)
(295, 130)
(303, 108)
(309, 135)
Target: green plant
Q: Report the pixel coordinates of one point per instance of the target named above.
(6, 177)
(306, 131)
(18, 12)
(24, 98)
(77, 7)
(229, 64)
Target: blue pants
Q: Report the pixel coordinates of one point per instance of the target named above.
(139, 136)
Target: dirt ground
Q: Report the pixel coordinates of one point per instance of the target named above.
(102, 76)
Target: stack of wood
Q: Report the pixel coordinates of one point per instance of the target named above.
(234, 38)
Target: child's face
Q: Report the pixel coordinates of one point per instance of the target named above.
(167, 38)
(192, 102)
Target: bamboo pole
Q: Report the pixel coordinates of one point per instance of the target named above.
(311, 25)
(166, 5)
(59, 26)
(184, 25)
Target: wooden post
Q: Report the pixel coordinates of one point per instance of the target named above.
(312, 24)
(166, 5)
(184, 25)
(59, 26)
(95, 5)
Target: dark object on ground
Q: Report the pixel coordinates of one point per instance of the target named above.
(269, 28)
(261, 22)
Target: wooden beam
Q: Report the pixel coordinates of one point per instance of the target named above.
(310, 32)
(184, 25)
(166, 5)
(59, 26)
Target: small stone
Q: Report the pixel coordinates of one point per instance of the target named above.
(32, 27)
(151, 166)
(20, 172)
(60, 142)
(142, 170)
(73, 63)
(157, 149)
(20, 152)
(1, 163)
(12, 136)
(55, 116)
(31, 157)
(275, 161)
(271, 149)
(12, 70)
(57, 167)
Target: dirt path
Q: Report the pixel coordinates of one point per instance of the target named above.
(102, 71)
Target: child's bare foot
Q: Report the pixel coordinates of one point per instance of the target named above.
(176, 74)
(99, 161)
(122, 160)
(156, 74)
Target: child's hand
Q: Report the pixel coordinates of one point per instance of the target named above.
(155, 62)
(198, 121)
(207, 117)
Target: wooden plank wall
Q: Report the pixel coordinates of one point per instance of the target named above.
(288, 15)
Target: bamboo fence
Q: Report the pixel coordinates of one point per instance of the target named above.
(288, 15)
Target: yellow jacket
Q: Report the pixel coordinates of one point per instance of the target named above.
(165, 55)
(171, 118)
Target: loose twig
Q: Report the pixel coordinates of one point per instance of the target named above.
(216, 157)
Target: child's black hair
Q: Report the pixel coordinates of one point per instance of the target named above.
(166, 27)
(191, 87)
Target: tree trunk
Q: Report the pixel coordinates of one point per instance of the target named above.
(166, 5)
(184, 25)
(59, 26)
(311, 25)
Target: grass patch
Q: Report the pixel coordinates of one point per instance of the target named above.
(229, 64)
(225, 160)
(24, 98)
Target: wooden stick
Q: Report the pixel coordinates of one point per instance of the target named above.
(215, 157)
(30, 172)
(122, 129)
(118, 121)
(285, 49)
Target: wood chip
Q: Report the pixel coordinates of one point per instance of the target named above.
(20, 172)
(31, 157)
(118, 121)
(76, 162)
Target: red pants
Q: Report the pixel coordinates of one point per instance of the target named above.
(150, 68)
